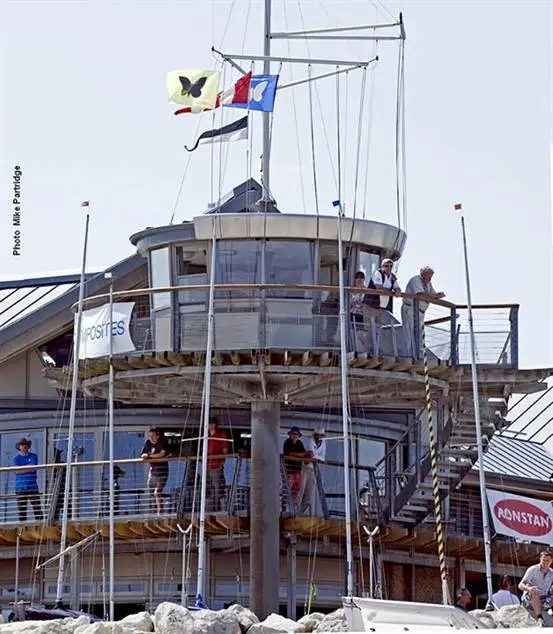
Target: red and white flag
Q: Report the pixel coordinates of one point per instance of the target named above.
(238, 93)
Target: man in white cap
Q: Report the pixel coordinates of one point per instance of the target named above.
(383, 279)
(418, 285)
(316, 449)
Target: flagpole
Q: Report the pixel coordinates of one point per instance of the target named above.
(265, 165)
(111, 478)
(481, 470)
(72, 411)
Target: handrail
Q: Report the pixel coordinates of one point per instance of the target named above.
(276, 287)
(94, 463)
(397, 443)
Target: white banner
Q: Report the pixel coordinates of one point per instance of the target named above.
(95, 332)
(521, 517)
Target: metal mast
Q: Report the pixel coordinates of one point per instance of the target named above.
(266, 156)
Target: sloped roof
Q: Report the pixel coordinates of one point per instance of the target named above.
(511, 457)
(45, 303)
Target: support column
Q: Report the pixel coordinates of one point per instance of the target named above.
(291, 576)
(265, 508)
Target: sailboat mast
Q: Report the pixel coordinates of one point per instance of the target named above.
(345, 408)
(205, 425)
(481, 470)
(265, 161)
(71, 430)
(111, 478)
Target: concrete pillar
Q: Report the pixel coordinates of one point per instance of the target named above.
(265, 508)
(291, 577)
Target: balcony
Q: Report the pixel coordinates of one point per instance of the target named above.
(280, 317)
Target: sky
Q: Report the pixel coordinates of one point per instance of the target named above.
(85, 115)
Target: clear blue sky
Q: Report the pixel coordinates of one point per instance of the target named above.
(85, 113)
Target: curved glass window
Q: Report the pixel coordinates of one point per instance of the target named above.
(160, 275)
(289, 262)
(238, 262)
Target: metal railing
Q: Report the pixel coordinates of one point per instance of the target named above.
(228, 491)
(306, 317)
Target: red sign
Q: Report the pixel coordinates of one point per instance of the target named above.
(523, 517)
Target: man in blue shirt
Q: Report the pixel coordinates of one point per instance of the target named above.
(26, 482)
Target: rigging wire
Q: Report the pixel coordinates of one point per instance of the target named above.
(399, 91)
(372, 90)
(312, 135)
(359, 137)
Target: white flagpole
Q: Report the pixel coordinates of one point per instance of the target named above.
(481, 470)
(111, 478)
(72, 411)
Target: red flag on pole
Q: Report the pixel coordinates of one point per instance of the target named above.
(85, 203)
(458, 207)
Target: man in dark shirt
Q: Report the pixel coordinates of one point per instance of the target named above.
(156, 447)
(293, 447)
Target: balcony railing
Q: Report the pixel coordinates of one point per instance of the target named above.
(306, 317)
(89, 496)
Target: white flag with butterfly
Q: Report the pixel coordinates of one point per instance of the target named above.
(194, 88)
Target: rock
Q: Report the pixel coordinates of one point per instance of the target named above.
(309, 622)
(514, 616)
(485, 616)
(246, 618)
(141, 622)
(211, 622)
(333, 622)
(275, 623)
(170, 618)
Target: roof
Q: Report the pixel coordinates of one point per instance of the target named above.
(530, 416)
(45, 303)
(22, 297)
(511, 457)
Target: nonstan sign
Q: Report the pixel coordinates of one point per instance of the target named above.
(521, 517)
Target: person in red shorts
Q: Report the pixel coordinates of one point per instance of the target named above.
(293, 447)
(217, 448)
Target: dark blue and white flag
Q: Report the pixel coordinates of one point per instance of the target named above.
(262, 94)
(235, 131)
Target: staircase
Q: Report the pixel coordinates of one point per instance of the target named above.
(457, 453)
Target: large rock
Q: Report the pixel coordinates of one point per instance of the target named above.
(309, 622)
(246, 618)
(170, 618)
(514, 616)
(485, 616)
(141, 622)
(275, 623)
(333, 622)
(211, 622)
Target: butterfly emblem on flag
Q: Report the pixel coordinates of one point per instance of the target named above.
(258, 91)
(192, 89)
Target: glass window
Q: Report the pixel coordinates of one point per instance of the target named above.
(86, 477)
(160, 275)
(290, 262)
(238, 262)
(368, 263)
(8, 440)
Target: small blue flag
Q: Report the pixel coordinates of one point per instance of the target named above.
(262, 94)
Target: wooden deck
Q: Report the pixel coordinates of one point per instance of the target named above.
(303, 377)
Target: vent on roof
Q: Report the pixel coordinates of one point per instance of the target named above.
(244, 198)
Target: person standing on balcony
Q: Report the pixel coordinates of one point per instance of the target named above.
(418, 285)
(316, 449)
(154, 448)
(356, 299)
(26, 482)
(293, 448)
(217, 448)
(383, 279)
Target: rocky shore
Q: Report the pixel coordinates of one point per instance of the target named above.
(170, 618)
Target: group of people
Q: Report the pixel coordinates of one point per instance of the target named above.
(380, 306)
(299, 465)
(156, 449)
(536, 587)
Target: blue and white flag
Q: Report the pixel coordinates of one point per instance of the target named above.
(262, 94)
